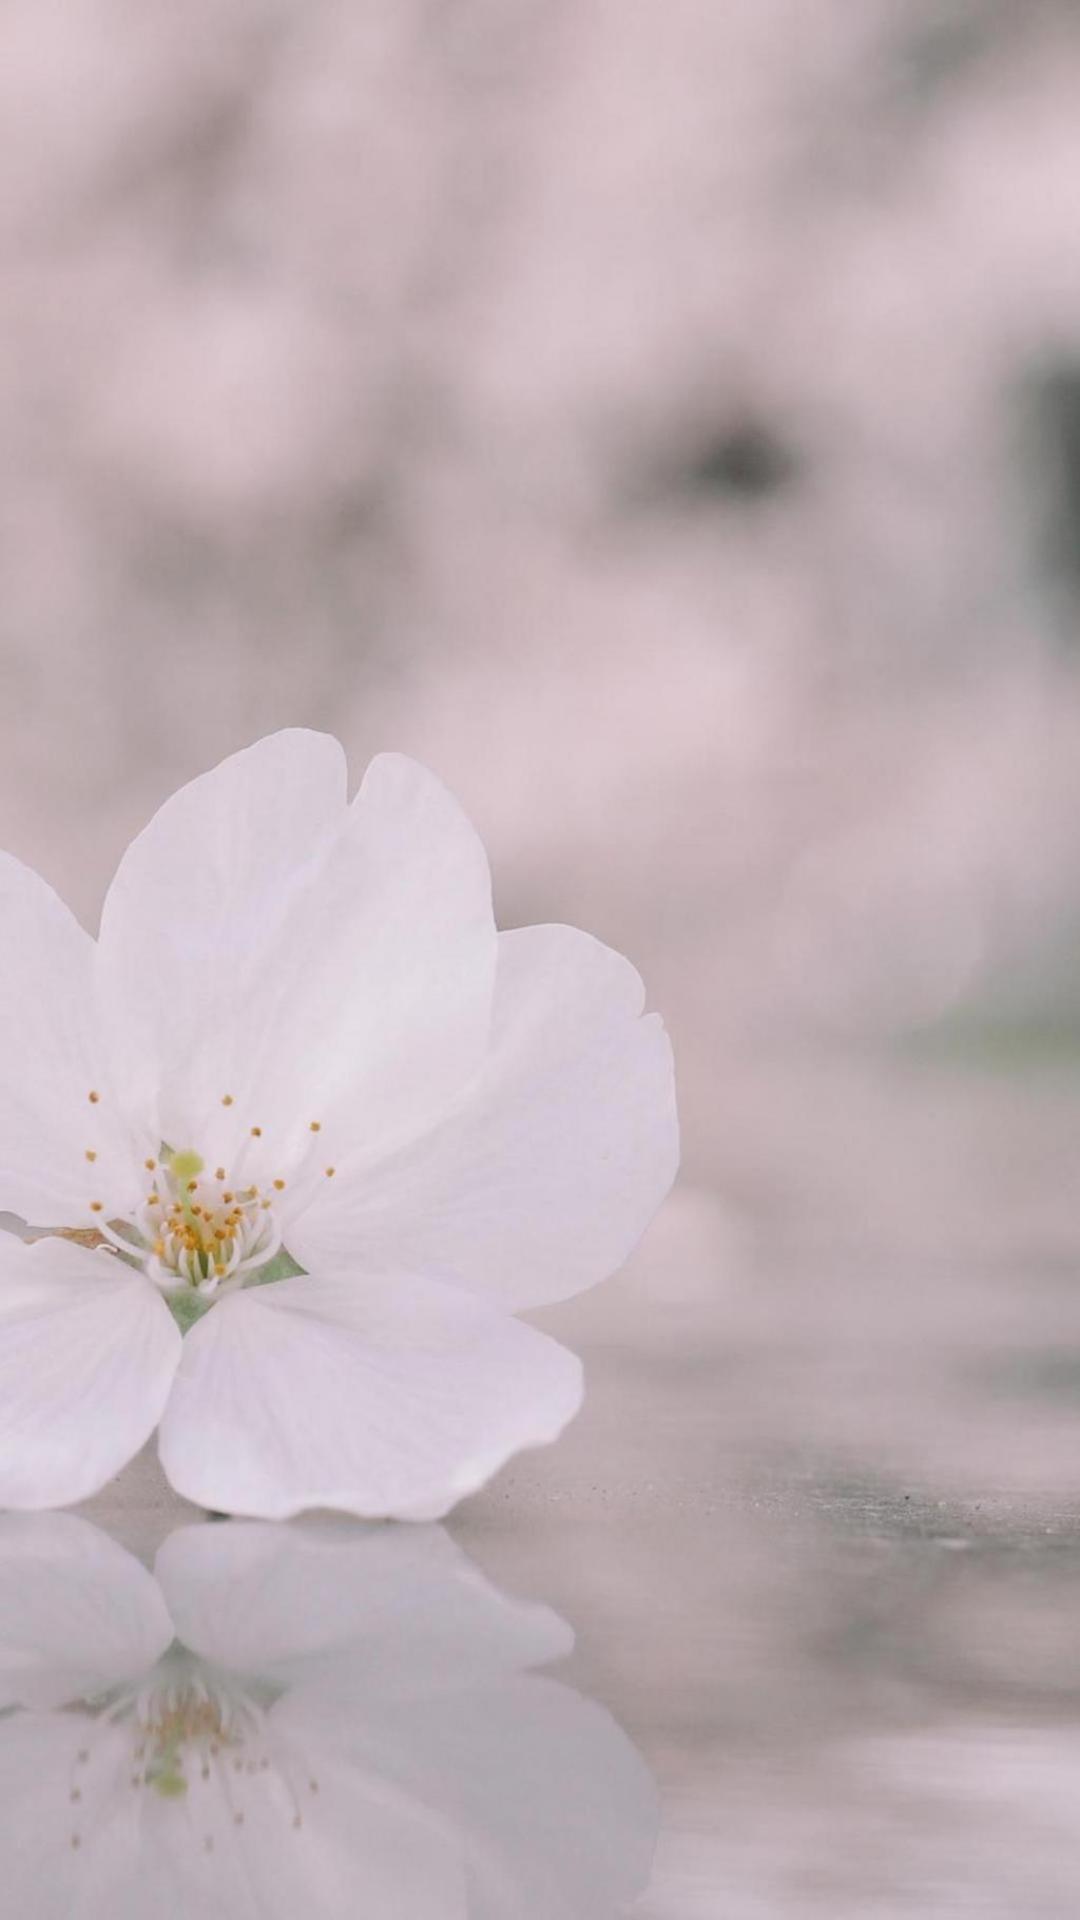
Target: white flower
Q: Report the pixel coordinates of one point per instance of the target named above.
(300, 1053)
(310, 1719)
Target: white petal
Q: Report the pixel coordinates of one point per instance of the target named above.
(65, 1859)
(356, 1854)
(552, 1811)
(405, 1610)
(548, 1173)
(53, 1059)
(77, 1612)
(88, 1350)
(382, 1000)
(395, 1397)
(310, 960)
(197, 904)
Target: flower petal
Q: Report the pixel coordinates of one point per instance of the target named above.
(311, 961)
(390, 1397)
(197, 905)
(88, 1350)
(53, 1061)
(77, 1612)
(347, 1851)
(70, 1851)
(552, 1812)
(404, 1610)
(543, 1179)
(377, 1007)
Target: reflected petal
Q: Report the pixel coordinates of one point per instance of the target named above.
(78, 1613)
(254, 1596)
(345, 1723)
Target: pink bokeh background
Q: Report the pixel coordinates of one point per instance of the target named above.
(650, 416)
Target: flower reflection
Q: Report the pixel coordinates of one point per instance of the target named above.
(315, 1718)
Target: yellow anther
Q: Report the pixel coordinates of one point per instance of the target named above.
(228, 1198)
(149, 1165)
(316, 1126)
(226, 1099)
(280, 1185)
(95, 1206)
(90, 1154)
(256, 1133)
(93, 1097)
(159, 1248)
(219, 1173)
(193, 1186)
(330, 1172)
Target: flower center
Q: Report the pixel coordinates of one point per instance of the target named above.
(192, 1739)
(182, 1719)
(202, 1232)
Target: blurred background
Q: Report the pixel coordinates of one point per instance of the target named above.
(664, 420)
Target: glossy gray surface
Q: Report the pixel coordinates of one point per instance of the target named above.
(818, 1532)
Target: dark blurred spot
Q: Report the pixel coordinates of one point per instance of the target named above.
(1055, 413)
(746, 460)
(937, 52)
(1052, 1375)
(734, 463)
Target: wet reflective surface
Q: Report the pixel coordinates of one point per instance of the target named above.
(802, 1584)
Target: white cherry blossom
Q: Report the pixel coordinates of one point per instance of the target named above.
(316, 1718)
(297, 1137)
